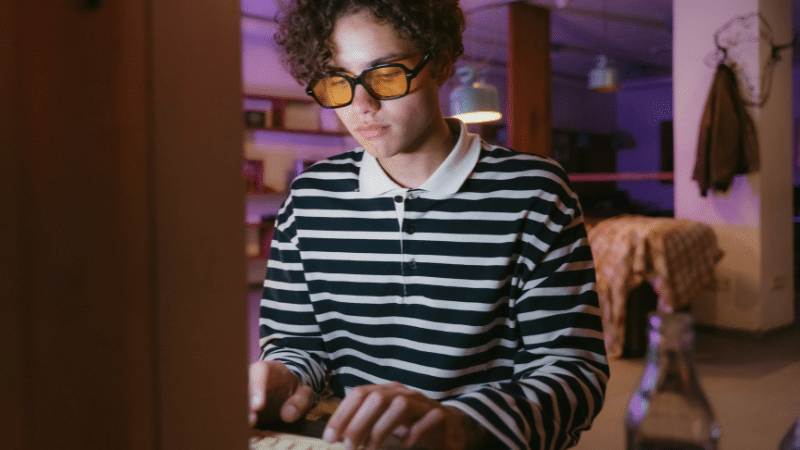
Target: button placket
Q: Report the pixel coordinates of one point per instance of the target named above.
(410, 251)
(400, 208)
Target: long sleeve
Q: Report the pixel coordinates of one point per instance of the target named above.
(287, 327)
(561, 372)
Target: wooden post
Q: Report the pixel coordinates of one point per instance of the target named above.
(528, 106)
(122, 276)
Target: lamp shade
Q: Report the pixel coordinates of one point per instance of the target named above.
(474, 101)
(604, 77)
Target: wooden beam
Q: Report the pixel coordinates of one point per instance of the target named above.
(122, 294)
(528, 105)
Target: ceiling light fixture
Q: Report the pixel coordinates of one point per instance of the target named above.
(474, 101)
(604, 77)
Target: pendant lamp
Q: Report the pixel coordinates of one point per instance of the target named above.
(604, 77)
(474, 101)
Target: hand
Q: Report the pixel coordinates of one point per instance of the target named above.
(277, 393)
(369, 414)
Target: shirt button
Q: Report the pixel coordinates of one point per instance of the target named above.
(410, 228)
(412, 264)
(398, 199)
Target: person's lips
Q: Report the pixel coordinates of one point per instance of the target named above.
(371, 131)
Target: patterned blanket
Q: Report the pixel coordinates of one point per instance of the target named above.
(676, 256)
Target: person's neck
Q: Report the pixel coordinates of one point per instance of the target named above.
(414, 166)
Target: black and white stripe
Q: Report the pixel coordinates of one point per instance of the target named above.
(483, 298)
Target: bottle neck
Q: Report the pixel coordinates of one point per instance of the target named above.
(669, 357)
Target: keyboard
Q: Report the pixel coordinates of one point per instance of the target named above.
(273, 440)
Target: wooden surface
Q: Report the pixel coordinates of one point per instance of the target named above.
(528, 105)
(123, 292)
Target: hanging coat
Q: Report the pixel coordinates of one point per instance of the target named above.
(728, 144)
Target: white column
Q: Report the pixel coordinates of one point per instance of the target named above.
(753, 219)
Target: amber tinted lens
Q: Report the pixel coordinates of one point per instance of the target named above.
(386, 82)
(333, 91)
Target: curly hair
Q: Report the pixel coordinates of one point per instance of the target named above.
(435, 26)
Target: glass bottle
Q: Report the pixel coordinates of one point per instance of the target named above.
(669, 410)
(792, 439)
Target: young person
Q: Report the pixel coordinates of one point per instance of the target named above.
(443, 287)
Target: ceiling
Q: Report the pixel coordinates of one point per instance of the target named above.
(637, 40)
(636, 35)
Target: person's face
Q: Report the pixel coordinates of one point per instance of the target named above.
(385, 128)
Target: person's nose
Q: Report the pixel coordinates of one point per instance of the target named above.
(363, 102)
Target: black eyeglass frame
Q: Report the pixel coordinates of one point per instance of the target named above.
(355, 81)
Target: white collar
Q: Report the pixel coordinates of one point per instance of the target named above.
(447, 178)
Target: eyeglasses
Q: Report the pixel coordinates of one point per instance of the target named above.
(384, 82)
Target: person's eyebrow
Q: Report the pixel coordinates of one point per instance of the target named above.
(388, 59)
(391, 57)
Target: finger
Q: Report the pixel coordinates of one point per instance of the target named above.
(390, 422)
(344, 413)
(400, 432)
(434, 418)
(298, 404)
(359, 429)
(256, 385)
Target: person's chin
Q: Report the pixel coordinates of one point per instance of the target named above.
(378, 148)
(379, 152)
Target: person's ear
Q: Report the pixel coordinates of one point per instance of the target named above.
(444, 69)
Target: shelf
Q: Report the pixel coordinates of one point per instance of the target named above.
(293, 131)
(256, 268)
(276, 98)
(290, 115)
(259, 205)
(257, 240)
(274, 197)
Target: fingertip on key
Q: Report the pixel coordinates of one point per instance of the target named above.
(256, 400)
(290, 413)
(329, 435)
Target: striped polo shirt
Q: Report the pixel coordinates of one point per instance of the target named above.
(477, 289)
